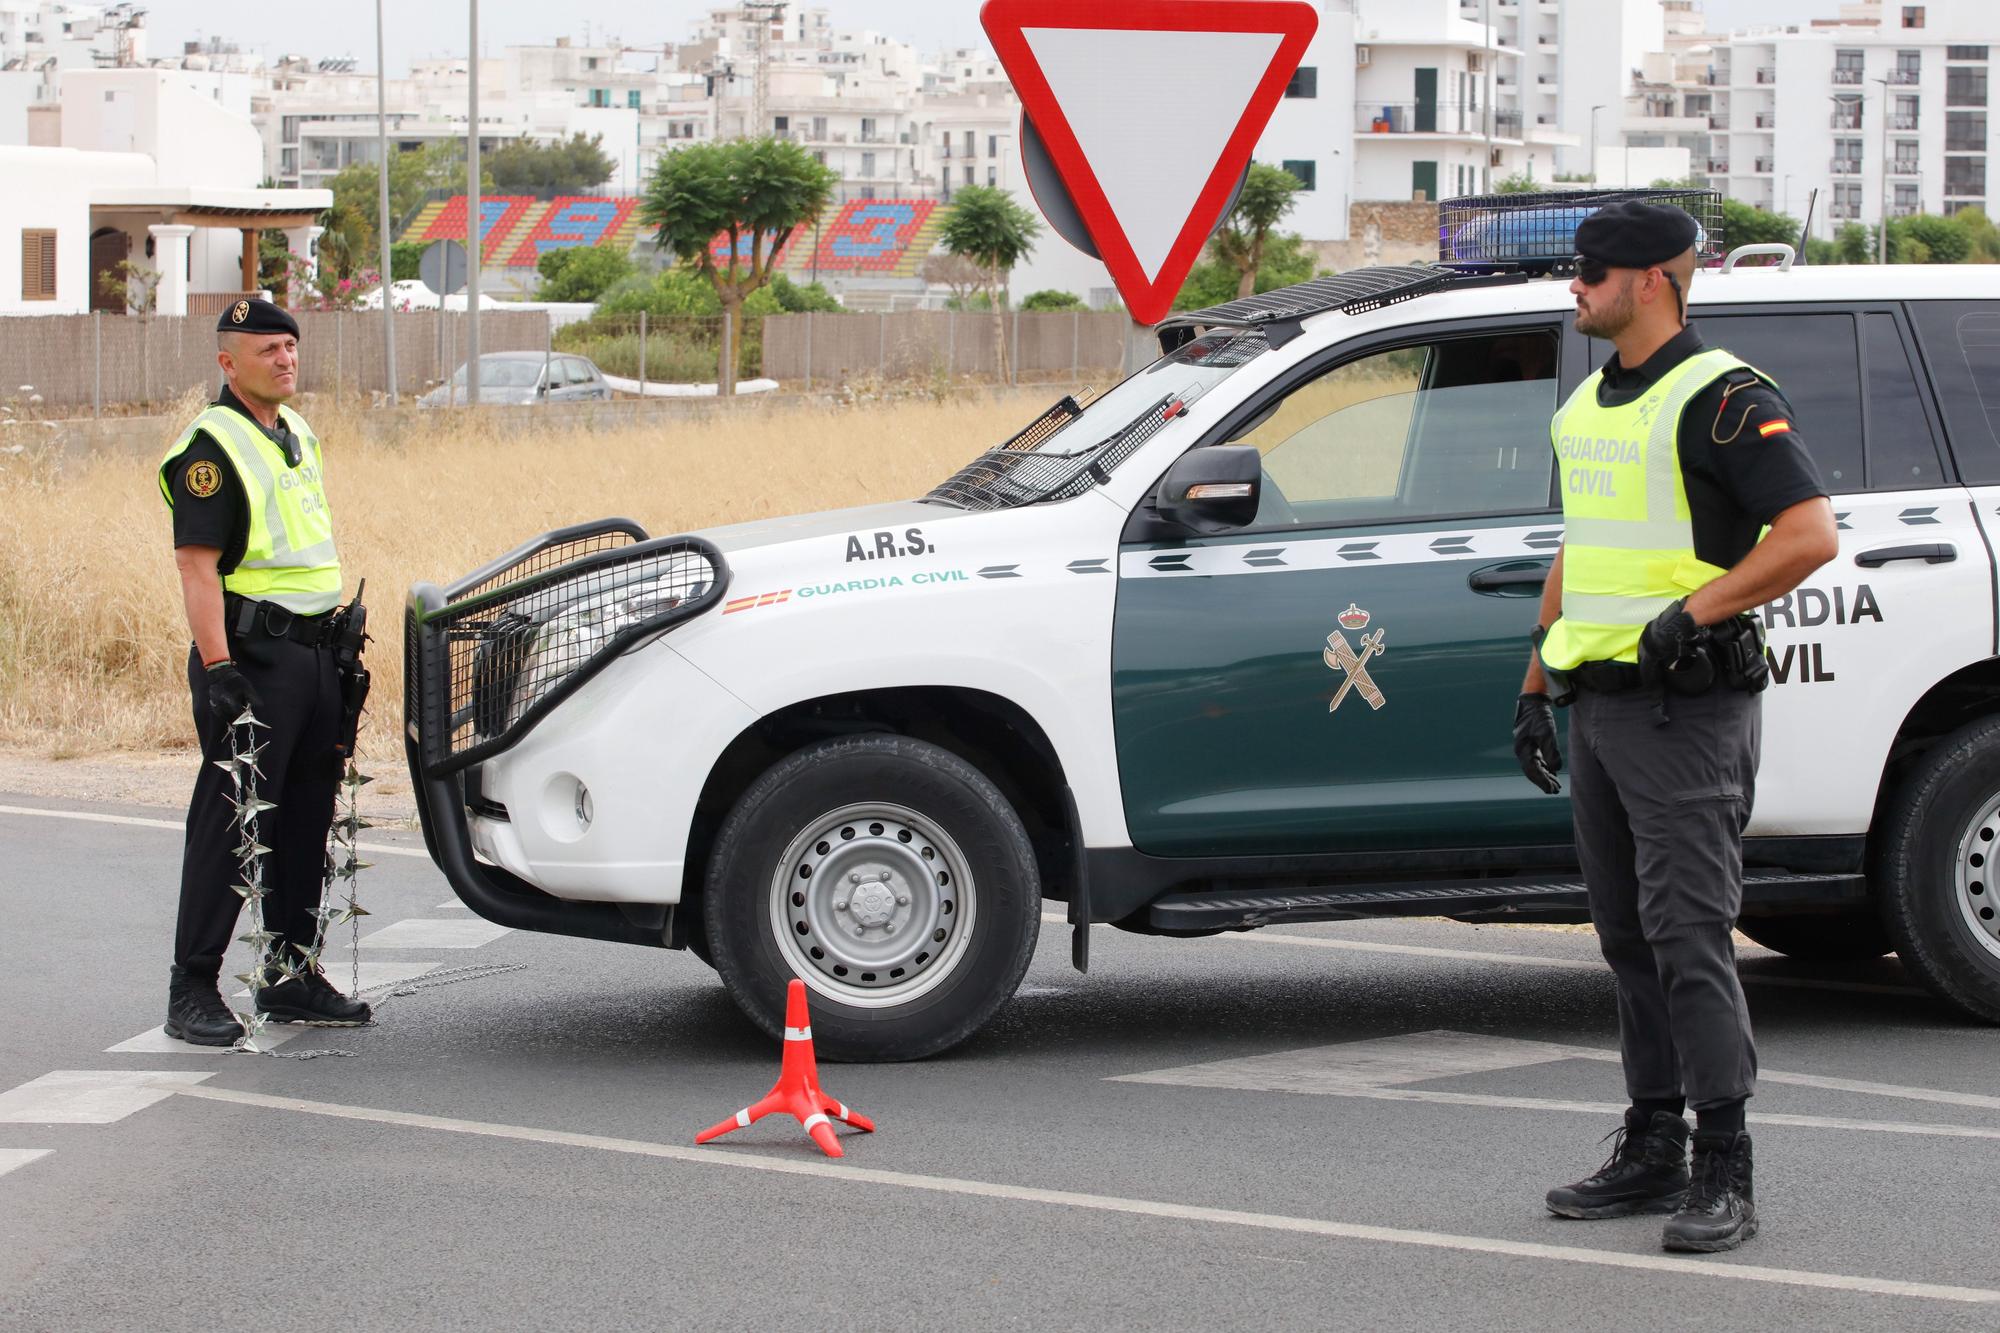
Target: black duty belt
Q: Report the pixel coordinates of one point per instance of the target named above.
(245, 616)
(1605, 677)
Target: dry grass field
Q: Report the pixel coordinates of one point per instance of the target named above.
(93, 642)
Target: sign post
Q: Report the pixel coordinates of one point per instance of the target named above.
(1140, 117)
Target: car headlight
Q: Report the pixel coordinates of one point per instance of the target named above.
(574, 634)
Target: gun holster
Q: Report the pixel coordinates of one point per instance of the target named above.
(347, 634)
(1739, 654)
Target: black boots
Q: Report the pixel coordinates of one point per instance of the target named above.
(1720, 1211)
(196, 1013)
(1647, 1172)
(310, 998)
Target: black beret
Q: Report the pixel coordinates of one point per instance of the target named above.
(1636, 235)
(254, 315)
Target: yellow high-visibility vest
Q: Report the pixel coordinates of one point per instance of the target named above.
(1628, 537)
(289, 556)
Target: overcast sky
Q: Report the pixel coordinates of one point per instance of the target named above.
(438, 27)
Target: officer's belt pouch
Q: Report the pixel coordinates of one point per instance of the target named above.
(1738, 644)
(1562, 693)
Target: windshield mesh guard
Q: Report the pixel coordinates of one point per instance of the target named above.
(1011, 475)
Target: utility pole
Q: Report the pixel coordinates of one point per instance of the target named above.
(1593, 146)
(382, 205)
(1487, 60)
(1882, 199)
(475, 248)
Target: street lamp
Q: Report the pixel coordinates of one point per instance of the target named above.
(1593, 144)
(382, 215)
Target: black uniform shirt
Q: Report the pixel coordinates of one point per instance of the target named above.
(1733, 489)
(208, 514)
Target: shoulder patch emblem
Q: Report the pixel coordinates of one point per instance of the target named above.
(1771, 428)
(240, 312)
(203, 479)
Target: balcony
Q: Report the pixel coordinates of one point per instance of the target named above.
(1904, 166)
(1903, 122)
(1762, 166)
(1847, 76)
(1767, 74)
(1441, 118)
(1846, 166)
(1841, 121)
(1718, 122)
(1905, 77)
(1767, 120)
(1718, 166)
(1846, 212)
(1903, 210)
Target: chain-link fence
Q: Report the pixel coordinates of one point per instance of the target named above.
(125, 364)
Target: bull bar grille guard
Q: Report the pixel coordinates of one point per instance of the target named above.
(489, 656)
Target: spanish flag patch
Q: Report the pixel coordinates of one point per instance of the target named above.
(1771, 428)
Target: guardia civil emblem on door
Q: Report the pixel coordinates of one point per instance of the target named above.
(1340, 656)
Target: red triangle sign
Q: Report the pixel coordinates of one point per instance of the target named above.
(1150, 110)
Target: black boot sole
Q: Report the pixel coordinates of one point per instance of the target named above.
(1624, 1208)
(304, 1018)
(1686, 1245)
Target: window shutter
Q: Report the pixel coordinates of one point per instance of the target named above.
(38, 265)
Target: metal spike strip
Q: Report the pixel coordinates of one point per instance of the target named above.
(246, 807)
(346, 832)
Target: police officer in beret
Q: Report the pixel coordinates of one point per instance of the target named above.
(253, 541)
(1674, 457)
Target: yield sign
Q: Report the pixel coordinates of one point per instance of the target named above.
(1150, 110)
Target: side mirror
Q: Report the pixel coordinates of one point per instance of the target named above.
(1212, 490)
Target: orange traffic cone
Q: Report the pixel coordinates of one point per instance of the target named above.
(797, 1091)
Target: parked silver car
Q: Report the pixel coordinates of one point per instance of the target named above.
(515, 378)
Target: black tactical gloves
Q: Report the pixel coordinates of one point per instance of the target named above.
(1673, 652)
(229, 693)
(1535, 741)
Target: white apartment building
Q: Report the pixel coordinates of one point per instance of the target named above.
(39, 40)
(1884, 109)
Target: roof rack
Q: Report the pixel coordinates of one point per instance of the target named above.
(1281, 314)
(1536, 232)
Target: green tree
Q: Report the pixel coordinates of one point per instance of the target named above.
(1853, 244)
(406, 259)
(1050, 299)
(1268, 194)
(987, 227)
(580, 272)
(1981, 235)
(1517, 184)
(1213, 281)
(798, 297)
(568, 166)
(349, 243)
(1746, 224)
(763, 187)
(1928, 239)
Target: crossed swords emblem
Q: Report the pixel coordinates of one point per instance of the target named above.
(1340, 656)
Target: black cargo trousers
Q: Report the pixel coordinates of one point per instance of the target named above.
(1660, 812)
(299, 686)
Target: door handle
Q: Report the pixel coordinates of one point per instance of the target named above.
(1931, 553)
(1516, 578)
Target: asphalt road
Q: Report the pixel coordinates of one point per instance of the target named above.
(1316, 1127)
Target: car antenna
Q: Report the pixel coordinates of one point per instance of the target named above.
(1806, 230)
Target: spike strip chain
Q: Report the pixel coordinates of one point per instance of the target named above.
(247, 806)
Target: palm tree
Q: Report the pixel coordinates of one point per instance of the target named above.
(987, 227)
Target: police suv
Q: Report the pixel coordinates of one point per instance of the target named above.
(1235, 643)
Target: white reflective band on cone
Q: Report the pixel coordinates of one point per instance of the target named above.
(816, 1118)
(843, 1109)
(799, 1034)
(743, 1117)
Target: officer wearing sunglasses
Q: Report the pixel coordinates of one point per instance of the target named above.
(1674, 458)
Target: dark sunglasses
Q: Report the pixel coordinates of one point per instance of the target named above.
(1590, 272)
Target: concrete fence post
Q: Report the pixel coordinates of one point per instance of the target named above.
(1014, 360)
(1075, 345)
(809, 351)
(339, 354)
(950, 343)
(882, 344)
(548, 360)
(97, 356)
(642, 354)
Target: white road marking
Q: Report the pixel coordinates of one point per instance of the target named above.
(88, 1096)
(1517, 959)
(1108, 1203)
(433, 933)
(157, 1042)
(10, 1158)
(1376, 1070)
(447, 905)
(178, 826)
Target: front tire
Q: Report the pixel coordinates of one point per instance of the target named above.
(888, 874)
(1936, 873)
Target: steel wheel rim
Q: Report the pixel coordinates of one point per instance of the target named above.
(1976, 878)
(873, 904)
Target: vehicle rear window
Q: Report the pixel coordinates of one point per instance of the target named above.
(1961, 344)
(1814, 359)
(1902, 451)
